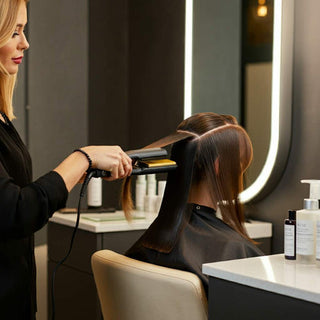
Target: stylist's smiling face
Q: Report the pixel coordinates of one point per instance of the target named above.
(11, 54)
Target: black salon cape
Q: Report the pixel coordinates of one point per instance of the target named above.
(25, 207)
(204, 239)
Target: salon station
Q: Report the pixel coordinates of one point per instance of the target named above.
(139, 69)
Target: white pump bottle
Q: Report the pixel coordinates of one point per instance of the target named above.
(306, 224)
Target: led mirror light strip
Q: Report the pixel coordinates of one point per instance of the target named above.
(262, 179)
(188, 59)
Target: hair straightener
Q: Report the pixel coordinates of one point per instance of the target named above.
(144, 161)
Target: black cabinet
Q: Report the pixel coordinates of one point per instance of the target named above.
(75, 292)
(230, 300)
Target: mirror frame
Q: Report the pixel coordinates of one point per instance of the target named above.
(281, 100)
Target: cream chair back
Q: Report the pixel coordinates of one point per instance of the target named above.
(129, 289)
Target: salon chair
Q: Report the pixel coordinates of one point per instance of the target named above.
(129, 289)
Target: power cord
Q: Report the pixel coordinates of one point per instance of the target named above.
(90, 174)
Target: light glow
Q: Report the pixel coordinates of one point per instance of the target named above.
(262, 11)
(188, 59)
(268, 269)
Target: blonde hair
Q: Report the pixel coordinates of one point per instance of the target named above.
(8, 18)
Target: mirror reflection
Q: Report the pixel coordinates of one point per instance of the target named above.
(232, 67)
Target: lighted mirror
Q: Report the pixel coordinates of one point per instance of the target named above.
(238, 60)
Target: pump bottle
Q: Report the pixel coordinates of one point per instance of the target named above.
(306, 224)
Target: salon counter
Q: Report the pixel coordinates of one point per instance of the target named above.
(75, 291)
(268, 287)
(114, 222)
(105, 222)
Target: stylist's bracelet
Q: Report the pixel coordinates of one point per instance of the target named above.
(87, 156)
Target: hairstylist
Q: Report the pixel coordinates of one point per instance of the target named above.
(26, 206)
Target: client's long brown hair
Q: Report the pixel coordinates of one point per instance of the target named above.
(219, 138)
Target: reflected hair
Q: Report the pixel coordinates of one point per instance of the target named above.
(223, 153)
(8, 18)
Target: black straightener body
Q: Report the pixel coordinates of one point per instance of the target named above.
(144, 161)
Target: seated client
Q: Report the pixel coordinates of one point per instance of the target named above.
(201, 219)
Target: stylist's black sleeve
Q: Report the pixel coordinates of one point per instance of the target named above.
(25, 210)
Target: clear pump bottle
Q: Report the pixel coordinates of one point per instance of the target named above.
(306, 224)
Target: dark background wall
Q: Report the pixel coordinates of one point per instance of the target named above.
(156, 69)
(136, 74)
(111, 72)
(108, 121)
(54, 114)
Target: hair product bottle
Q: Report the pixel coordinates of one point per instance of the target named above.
(151, 197)
(290, 236)
(306, 224)
(152, 185)
(141, 190)
(94, 195)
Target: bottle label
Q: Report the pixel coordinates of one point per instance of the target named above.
(305, 242)
(289, 240)
(318, 241)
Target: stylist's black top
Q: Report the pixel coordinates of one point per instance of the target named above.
(25, 207)
(204, 239)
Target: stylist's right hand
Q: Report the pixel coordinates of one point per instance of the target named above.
(110, 158)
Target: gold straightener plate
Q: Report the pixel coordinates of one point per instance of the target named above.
(157, 163)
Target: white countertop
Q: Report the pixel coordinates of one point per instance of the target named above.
(105, 222)
(113, 222)
(272, 273)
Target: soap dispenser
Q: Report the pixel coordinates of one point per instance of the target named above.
(306, 224)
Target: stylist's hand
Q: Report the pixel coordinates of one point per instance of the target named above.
(110, 158)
